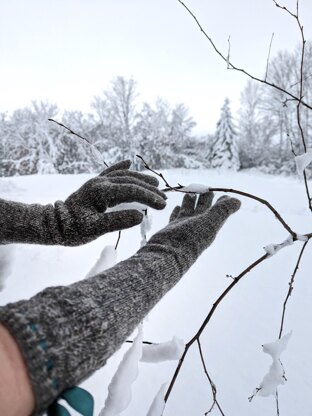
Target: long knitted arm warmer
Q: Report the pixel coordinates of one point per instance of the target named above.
(82, 217)
(66, 333)
(29, 223)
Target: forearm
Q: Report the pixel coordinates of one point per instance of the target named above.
(66, 333)
(16, 396)
(28, 223)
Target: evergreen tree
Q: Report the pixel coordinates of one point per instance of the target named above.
(224, 152)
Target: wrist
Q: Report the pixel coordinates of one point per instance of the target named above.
(16, 395)
(27, 223)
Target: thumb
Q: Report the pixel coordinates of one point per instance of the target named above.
(116, 221)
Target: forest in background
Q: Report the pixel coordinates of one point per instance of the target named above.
(263, 136)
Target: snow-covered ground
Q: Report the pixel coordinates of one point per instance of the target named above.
(247, 318)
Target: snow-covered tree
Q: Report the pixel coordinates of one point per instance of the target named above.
(163, 135)
(224, 152)
(28, 140)
(255, 131)
(116, 112)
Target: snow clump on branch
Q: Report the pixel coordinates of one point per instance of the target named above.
(119, 389)
(276, 374)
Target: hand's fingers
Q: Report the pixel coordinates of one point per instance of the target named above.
(123, 165)
(175, 213)
(119, 193)
(222, 209)
(151, 180)
(204, 202)
(115, 221)
(188, 205)
(222, 198)
(134, 181)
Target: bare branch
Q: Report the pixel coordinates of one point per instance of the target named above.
(75, 134)
(232, 66)
(233, 191)
(277, 403)
(212, 384)
(300, 101)
(207, 319)
(291, 287)
(161, 176)
(262, 201)
(286, 10)
(118, 239)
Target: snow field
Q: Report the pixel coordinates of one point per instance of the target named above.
(247, 318)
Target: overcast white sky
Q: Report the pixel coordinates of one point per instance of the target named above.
(67, 51)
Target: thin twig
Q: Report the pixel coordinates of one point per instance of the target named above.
(268, 59)
(207, 319)
(70, 130)
(304, 79)
(118, 239)
(262, 201)
(286, 10)
(241, 69)
(212, 384)
(74, 134)
(160, 175)
(290, 289)
(277, 403)
(296, 17)
(129, 341)
(227, 190)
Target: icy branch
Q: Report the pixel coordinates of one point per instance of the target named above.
(272, 249)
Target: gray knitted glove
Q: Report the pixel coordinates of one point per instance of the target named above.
(66, 333)
(82, 218)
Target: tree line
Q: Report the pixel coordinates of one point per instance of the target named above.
(264, 135)
(118, 128)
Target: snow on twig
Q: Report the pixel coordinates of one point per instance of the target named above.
(204, 188)
(165, 351)
(107, 259)
(196, 188)
(272, 249)
(145, 226)
(302, 237)
(276, 373)
(158, 404)
(302, 161)
(119, 389)
(127, 205)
